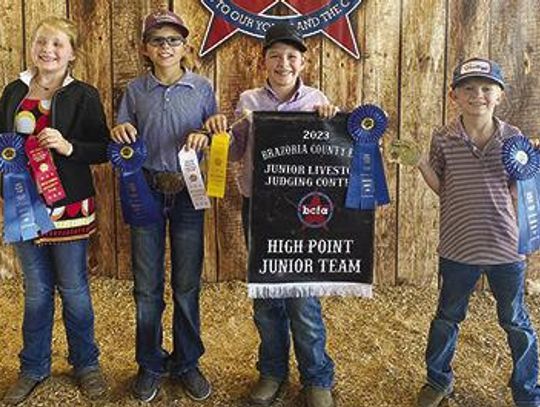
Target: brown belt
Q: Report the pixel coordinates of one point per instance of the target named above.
(165, 182)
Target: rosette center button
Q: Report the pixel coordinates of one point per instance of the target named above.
(9, 153)
(368, 123)
(522, 157)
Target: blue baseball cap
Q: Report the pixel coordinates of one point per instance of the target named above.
(478, 68)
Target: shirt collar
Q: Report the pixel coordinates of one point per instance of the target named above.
(457, 130)
(187, 79)
(27, 76)
(300, 90)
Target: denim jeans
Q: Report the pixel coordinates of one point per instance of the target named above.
(148, 262)
(303, 316)
(61, 265)
(274, 318)
(507, 284)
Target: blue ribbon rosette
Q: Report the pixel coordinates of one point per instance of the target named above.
(25, 214)
(522, 163)
(367, 183)
(139, 207)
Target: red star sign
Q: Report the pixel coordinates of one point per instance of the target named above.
(230, 16)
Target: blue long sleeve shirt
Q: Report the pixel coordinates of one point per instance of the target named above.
(165, 114)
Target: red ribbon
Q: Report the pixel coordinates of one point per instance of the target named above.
(44, 171)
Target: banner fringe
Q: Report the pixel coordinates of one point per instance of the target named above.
(312, 289)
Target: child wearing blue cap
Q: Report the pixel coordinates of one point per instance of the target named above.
(478, 232)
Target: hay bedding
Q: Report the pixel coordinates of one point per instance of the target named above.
(377, 345)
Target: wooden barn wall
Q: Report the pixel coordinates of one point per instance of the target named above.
(408, 47)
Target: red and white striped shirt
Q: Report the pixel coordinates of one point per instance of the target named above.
(478, 223)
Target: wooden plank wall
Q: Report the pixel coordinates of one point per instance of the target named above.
(409, 48)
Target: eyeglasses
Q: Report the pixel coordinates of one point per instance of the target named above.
(172, 41)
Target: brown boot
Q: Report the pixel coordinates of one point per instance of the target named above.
(93, 384)
(20, 390)
(265, 391)
(428, 396)
(319, 397)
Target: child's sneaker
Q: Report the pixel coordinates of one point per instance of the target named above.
(146, 386)
(429, 396)
(196, 386)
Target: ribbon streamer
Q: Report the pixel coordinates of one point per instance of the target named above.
(217, 169)
(367, 183)
(528, 216)
(44, 171)
(189, 164)
(25, 214)
(139, 208)
(522, 163)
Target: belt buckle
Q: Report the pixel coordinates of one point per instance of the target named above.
(169, 182)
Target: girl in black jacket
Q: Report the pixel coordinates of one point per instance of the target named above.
(61, 118)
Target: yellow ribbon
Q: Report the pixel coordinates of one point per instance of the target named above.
(217, 168)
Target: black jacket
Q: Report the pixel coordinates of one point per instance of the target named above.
(77, 113)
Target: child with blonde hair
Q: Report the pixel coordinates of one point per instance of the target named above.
(478, 232)
(63, 117)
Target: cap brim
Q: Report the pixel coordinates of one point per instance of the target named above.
(477, 75)
(181, 28)
(287, 40)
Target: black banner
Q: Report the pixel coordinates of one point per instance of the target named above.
(303, 241)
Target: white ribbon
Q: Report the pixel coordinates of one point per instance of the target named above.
(189, 164)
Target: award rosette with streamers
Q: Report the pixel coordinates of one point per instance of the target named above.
(522, 163)
(139, 208)
(25, 214)
(367, 183)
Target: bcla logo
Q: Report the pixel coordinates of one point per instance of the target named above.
(315, 210)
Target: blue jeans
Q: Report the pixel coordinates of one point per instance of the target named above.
(303, 317)
(507, 284)
(148, 261)
(45, 267)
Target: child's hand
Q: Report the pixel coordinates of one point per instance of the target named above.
(216, 124)
(52, 138)
(405, 153)
(197, 141)
(327, 111)
(124, 133)
(246, 115)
